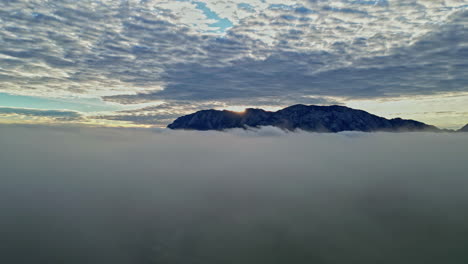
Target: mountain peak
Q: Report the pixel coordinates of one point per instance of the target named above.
(334, 118)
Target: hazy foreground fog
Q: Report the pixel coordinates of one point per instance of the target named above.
(98, 196)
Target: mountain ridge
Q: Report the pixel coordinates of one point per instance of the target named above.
(332, 119)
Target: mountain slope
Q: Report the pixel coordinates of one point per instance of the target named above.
(464, 129)
(306, 117)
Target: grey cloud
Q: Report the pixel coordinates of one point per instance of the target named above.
(436, 63)
(136, 196)
(279, 75)
(56, 114)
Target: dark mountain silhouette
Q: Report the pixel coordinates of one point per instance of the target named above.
(464, 129)
(306, 117)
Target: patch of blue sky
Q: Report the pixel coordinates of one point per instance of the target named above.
(81, 105)
(222, 24)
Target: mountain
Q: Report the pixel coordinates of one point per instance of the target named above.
(306, 117)
(464, 129)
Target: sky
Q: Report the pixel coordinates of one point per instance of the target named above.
(129, 195)
(146, 62)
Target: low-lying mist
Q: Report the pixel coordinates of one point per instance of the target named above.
(101, 195)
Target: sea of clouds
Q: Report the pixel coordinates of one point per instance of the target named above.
(101, 195)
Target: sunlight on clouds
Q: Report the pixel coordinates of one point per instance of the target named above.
(444, 110)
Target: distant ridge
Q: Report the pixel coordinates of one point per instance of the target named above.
(306, 117)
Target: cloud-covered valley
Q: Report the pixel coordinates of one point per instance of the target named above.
(100, 195)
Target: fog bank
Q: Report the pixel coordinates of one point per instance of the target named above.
(100, 195)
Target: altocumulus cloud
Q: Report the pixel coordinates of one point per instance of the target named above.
(142, 51)
(84, 195)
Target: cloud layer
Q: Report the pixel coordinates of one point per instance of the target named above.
(75, 195)
(41, 115)
(272, 49)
